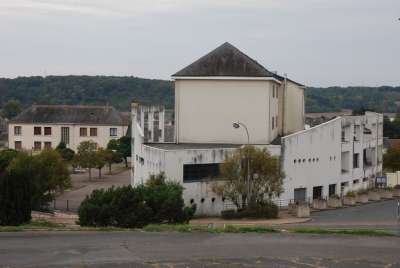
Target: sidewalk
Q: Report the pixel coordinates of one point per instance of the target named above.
(283, 218)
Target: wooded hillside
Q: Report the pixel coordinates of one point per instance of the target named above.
(120, 91)
(91, 90)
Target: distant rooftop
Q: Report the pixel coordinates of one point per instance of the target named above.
(54, 114)
(192, 146)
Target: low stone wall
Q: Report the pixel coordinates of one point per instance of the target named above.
(335, 202)
(396, 191)
(320, 204)
(362, 198)
(386, 194)
(374, 196)
(290, 208)
(65, 215)
(349, 200)
(57, 215)
(302, 210)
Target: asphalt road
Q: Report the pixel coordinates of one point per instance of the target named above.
(379, 216)
(140, 249)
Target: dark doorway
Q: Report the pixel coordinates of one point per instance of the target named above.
(300, 194)
(317, 192)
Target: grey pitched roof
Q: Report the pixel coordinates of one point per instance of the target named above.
(227, 60)
(52, 114)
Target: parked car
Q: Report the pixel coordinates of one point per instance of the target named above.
(80, 170)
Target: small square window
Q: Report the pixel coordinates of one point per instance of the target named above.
(83, 131)
(93, 131)
(37, 131)
(47, 131)
(17, 130)
(113, 131)
(47, 145)
(37, 145)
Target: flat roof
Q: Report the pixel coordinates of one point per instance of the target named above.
(192, 146)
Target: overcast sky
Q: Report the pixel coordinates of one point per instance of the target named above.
(316, 42)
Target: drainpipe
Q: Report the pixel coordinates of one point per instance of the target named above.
(284, 105)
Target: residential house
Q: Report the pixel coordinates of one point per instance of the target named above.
(43, 126)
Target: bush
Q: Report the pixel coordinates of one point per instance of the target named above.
(335, 196)
(261, 211)
(231, 214)
(362, 191)
(397, 186)
(155, 202)
(15, 198)
(351, 193)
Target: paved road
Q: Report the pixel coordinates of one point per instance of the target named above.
(379, 215)
(139, 249)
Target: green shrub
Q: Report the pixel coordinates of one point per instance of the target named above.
(397, 186)
(335, 196)
(231, 214)
(351, 193)
(261, 211)
(15, 198)
(362, 191)
(157, 201)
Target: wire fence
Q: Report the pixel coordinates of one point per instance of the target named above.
(56, 204)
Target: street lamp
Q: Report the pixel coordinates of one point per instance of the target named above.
(237, 125)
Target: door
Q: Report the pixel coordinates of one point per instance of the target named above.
(317, 192)
(300, 194)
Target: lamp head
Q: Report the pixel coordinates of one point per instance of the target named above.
(236, 125)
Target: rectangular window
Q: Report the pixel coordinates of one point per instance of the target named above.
(37, 145)
(83, 131)
(276, 95)
(193, 173)
(113, 132)
(273, 91)
(93, 131)
(18, 145)
(273, 123)
(17, 130)
(47, 145)
(332, 189)
(37, 131)
(94, 145)
(276, 121)
(65, 134)
(47, 130)
(355, 160)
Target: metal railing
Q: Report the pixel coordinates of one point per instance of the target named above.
(56, 204)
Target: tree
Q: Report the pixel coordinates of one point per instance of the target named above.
(67, 154)
(87, 156)
(11, 108)
(124, 147)
(53, 171)
(101, 159)
(391, 158)
(232, 183)
(111, 157)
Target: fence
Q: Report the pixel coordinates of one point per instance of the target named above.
(56, 204)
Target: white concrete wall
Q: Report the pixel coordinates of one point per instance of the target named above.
(28, 138)
(295, 104)
(312, 158)
(206, 109)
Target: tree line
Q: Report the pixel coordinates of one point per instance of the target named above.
(87, 90)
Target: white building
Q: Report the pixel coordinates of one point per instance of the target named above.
(43, 126)
(227, 86)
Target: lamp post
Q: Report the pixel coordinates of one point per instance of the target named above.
(237, 125)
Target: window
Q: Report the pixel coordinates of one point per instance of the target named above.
(355, 160)
(47, 130)
(37, 131)
(273, 123)
(276, 95)
(113, 132)
(332, 189)
(198, 172)
(65, 134)
(37, 145)
(47, 145)
(93, 131)
(83, 131)
(18, 145)
(17, 130)
(94, 145)
(276, 121)
(273, 91)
